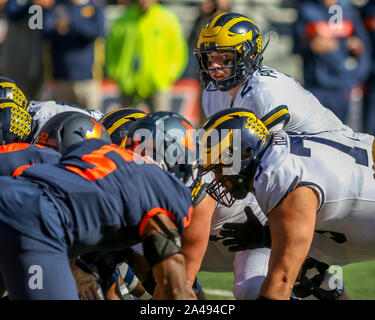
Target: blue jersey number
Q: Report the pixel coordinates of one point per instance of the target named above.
(296, 147)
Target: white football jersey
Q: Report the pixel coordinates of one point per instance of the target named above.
(42, 111)
(281, 103)
(338, 165)
(278, 100)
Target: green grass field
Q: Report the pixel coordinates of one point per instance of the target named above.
(359, 281)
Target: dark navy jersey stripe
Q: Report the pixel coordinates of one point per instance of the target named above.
(308, 184)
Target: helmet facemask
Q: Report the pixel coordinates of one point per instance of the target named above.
(245, 64)
(238, 73)
(231, 187)
(10, 91)
(230, 32)
(232, 147)
(16, 122)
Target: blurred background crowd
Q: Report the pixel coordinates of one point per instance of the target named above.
(103, 54)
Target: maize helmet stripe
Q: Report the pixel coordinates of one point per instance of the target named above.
(235, 33)
(217, 150)
(253, 124)
(126, 119)
(233, 115)
(227, 30)
(243, 139)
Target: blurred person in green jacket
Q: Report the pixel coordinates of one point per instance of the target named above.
(146, 53)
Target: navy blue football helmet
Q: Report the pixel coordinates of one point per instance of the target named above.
(118, 123)
(233, 138)
(67, 128)
(169, 139)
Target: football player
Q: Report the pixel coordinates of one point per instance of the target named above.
(116, 276)
(230, 53)
(15, 154)
(169, 139)
(317, 191)
(40, 111)
(166, 137)
(98, 197)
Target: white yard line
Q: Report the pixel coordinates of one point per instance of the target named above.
(224, 293)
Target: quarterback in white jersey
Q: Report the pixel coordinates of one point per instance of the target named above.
(229, 53)
(317, 186)
(277, 99)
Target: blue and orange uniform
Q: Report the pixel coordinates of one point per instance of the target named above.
(99, 197)
(16, 157)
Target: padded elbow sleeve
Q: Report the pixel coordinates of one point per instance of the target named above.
(161, 246)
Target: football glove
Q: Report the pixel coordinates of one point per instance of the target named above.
(87, 281)
(248, 235)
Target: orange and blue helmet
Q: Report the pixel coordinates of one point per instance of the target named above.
(119, 122)
(67, 128)
(169, 139)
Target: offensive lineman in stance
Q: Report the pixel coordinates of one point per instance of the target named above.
(317, 191)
